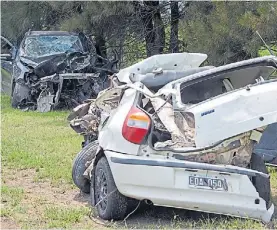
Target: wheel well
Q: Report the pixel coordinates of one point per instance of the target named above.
(98, 156)
(13, 84)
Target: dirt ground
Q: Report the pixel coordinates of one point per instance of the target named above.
(38, 195)
(7, 223)
(36, 189)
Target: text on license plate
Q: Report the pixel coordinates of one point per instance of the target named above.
(208, 183)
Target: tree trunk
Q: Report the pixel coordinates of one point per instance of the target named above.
(159, 31)
(147, 20)
(154, 31)
(100, 45)
(174, 44)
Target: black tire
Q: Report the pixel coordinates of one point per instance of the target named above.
(261, 184)
(132, 205)
(110, 203)
(79, 166)
(12, 89)
(19, 93)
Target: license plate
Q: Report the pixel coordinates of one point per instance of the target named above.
(207, 183)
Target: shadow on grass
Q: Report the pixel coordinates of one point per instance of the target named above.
(83, 198)
(154, 217)
(160, 217)
(149, 216)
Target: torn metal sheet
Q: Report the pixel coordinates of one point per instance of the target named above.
(167, 116)
(108, 99)
(45, 102)
(85, 119)
(234, 151)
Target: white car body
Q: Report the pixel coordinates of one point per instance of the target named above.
(144, 172)
(174, 61)
(168, 186)
(237, 112)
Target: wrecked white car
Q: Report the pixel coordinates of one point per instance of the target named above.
(178, 135)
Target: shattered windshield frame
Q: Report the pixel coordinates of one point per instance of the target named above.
(242, 80)
(46, 45)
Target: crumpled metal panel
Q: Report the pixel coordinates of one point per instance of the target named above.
(85, 119)
(45, 102)
(234, 151)
(166, 115)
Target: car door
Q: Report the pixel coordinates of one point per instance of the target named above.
(7, 54)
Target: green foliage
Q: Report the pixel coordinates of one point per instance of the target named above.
(18, 17)
(223, 30)
(265, 52)
(133, 51)
(226, 30)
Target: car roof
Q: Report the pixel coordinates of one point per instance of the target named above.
(47, 32)
(263, 61)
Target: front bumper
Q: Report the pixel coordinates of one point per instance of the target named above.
(68, 76)
(168, 186)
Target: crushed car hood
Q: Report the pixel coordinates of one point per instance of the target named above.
(57, 63)
(36, 61)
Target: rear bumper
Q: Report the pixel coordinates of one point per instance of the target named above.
(168, 186)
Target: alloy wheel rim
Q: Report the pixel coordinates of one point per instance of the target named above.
(102, 190)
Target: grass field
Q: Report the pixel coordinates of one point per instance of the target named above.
(5, 82)
(36, 187)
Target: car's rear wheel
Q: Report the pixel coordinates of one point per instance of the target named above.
(79, 166)
(110, 203)
(261, 184)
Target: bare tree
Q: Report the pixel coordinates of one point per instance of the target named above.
(150, 14)
(174, 29)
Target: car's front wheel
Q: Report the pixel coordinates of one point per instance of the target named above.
(79, 166)
(110, 203)
(20, 93)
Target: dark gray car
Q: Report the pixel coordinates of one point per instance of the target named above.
(56, 69)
